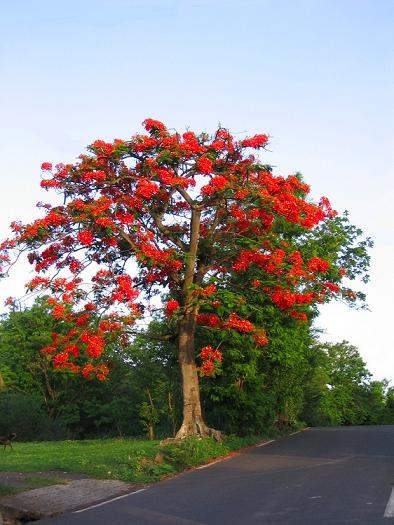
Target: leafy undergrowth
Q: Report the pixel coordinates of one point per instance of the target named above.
(128, 460)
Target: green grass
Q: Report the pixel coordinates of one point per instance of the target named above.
(35, 482)
(129, 460)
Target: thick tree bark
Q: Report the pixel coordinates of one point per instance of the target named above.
(193, 421)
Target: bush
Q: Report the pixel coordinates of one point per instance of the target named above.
(23, 414)
(194, 451)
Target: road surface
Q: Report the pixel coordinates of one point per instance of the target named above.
(320, 476)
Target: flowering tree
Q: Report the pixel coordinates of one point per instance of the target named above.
(190, 211)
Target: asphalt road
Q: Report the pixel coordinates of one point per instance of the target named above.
(321, 476)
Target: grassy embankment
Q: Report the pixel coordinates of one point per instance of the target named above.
(129, 460)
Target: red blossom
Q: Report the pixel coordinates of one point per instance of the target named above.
(261, 338)
(257, 141)
(60, 359)
(208, 290)
(90, 307)
(73, 350)
(87, 371)
(332, 287)
(299, 315)
(10, 301)
(103, 147)
(75, 266)
(315, 264)
(146, 188)
(85, 237)
(210, 359)
(151, 124)
(171, 307)
(101, 372)
(82, 319)
(211, 320)
(95, 346)
(190, 143)
(50, 183)
(58, 311)
(204, 165)
(105, 222)
(240, 325)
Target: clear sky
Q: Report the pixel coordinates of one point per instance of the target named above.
(317, 76)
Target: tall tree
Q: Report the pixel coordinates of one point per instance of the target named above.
(189, 210)
(339, 389)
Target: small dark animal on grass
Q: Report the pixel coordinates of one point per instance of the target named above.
(7, 440)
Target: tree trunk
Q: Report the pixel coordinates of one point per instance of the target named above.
(172, 414)
(193, 422)
(151, 428)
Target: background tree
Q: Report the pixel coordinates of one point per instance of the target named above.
(339, 390)
(294, 379)
(189, 211)
(37, 401)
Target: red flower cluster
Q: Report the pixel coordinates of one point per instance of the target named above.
(210, 359)
(94, 176)
(100, 371)
(171, 307)
(109, 326)
(58, 311)
(240, 325)
(190, 144)
(85, 237)
(204, 165)
(124, 292)
(258, 141)
(95, 344)
(103, 147)
(299, 315)
(208, 290)
(285, 298)
(211, 320)
(146, 189)
(332, 287)
(105, 222)
(315, 264)
(260, 337)
(217, 183)
(151, 125)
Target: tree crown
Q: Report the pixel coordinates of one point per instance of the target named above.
(192, 211)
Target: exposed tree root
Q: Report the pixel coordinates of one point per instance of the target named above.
(197, 427)
(192, 428)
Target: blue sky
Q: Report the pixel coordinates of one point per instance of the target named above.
(317, 76)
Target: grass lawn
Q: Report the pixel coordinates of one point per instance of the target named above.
(125, 459)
